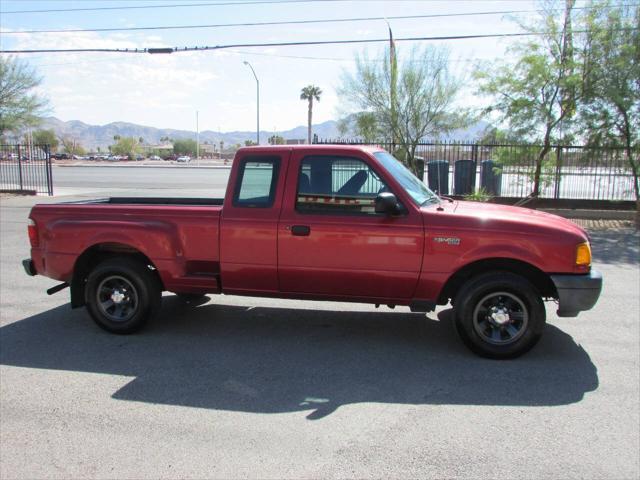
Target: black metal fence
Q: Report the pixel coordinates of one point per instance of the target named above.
(507, 170)
(26, 167)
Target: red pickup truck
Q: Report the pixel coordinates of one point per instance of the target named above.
(341, 223)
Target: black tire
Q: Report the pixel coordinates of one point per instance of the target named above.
(499, 315)
(122, 294)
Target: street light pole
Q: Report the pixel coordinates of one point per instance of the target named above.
(257, 102)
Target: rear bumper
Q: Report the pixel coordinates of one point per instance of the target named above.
(29, 267)
(577, 293)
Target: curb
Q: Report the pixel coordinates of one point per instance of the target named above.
(629, 215)
(18, 192)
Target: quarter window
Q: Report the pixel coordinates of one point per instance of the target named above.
(257, 180)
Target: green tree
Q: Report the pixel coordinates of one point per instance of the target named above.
(249, 143)
(310, 93)
(185, 146)
(422, 103)
(537, 93)
(46, 137)
(610, 109)
(20, 106)
(128, 146)
(71, 146)
(364, 125)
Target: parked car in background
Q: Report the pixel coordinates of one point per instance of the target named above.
(184, 159)
(154, 157)
(171, 157)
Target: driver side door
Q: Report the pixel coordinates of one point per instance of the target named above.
(332, 243)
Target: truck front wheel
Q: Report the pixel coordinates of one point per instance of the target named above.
(122, 295)
(499, 315)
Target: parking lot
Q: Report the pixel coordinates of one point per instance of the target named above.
(242, 387)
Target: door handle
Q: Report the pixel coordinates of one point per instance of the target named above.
(300, 230)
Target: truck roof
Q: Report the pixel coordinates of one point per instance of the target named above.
(320, 147)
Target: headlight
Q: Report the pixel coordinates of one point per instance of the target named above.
(583, 254)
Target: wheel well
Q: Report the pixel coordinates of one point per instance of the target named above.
(540, 280)
(96, 254)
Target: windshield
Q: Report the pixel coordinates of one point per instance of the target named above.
(414, 187)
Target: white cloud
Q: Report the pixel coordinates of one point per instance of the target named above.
(142, 88)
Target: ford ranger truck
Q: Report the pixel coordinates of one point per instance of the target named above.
(321, 222)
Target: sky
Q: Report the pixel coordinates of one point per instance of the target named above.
(166, 91)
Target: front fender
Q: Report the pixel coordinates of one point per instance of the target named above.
(529, 255)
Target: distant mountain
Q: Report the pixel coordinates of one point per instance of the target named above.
(93, 136)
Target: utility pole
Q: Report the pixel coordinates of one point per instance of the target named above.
(393, 70)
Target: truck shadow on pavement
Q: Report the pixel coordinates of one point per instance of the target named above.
(273, 360)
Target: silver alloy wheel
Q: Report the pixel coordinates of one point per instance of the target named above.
(117, 298)
(500, 318)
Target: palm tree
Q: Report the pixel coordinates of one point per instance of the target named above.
(309, 93)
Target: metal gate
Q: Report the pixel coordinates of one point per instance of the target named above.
(25, 167)
(567, 172)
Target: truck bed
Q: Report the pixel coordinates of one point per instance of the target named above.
(179, 236)
(150, 201)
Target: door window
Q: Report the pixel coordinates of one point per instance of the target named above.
(337, 185)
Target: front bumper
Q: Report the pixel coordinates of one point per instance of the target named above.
(29, 267)
(577, 293)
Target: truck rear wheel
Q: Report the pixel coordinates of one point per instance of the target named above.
(122, 295)
(499, 315)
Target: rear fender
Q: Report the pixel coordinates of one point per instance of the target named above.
(156, 240)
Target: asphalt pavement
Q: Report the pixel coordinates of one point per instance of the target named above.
(240, 387)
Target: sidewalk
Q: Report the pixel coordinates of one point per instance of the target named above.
(604, 224)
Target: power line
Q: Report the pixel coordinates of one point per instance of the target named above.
(178, 5)
(260, 54)
(274, 44)
(284, 22)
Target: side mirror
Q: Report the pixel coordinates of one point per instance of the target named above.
(387, 203)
